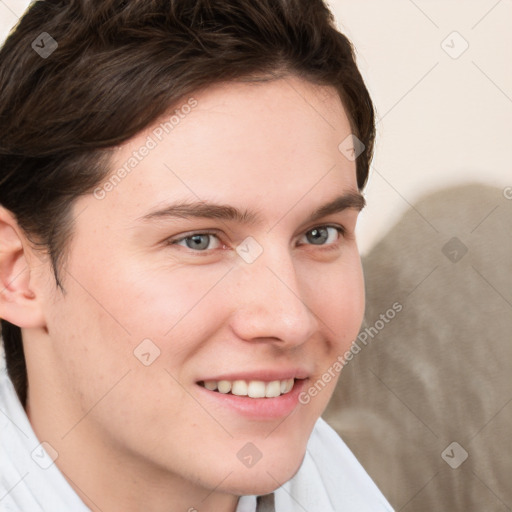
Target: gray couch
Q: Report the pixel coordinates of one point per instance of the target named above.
(426, 405)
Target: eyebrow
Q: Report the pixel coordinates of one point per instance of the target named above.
(209, 210)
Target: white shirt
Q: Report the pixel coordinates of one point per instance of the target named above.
(330, 478)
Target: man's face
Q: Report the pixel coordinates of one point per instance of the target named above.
(155, 305)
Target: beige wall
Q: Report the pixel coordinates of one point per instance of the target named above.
(443, 121)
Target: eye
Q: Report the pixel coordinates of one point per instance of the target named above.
(324, 235)
(202, 241)
(197, 241)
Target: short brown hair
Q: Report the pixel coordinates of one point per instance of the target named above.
(117, 66)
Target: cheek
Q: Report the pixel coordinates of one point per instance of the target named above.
(175, 308)
(339, 300)
(134, 299)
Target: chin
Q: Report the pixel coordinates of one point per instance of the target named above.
(263, 479)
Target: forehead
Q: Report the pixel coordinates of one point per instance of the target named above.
(271, 142)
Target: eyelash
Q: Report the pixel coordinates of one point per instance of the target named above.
(340, 229)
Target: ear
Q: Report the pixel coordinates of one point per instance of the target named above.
(19, 303)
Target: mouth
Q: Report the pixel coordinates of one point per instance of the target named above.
(251, 388)
(260, 400)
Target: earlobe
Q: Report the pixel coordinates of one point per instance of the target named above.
(19, 303)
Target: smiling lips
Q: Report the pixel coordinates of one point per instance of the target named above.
(252, 388)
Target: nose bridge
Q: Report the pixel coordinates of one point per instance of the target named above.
(270, 300)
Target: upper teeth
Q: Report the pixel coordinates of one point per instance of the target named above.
(252, 388)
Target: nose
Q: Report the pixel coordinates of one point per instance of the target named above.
(272, 303)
